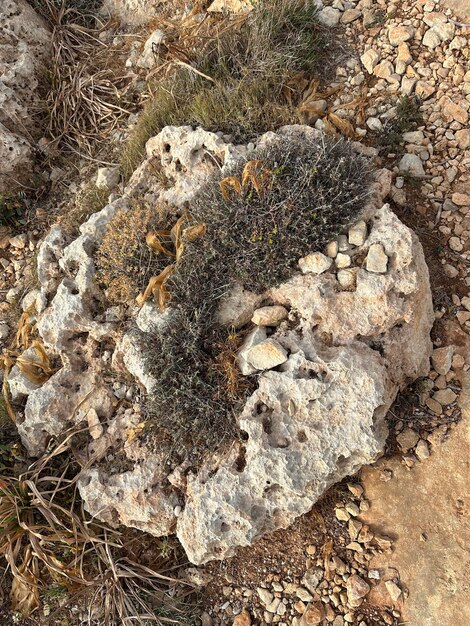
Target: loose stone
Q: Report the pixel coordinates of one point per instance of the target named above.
(357, 234)
(369, 59)
(376, 260)
(422, 450)
(269, 315)
(441, 359)
(342, 260)
(315, 263)
(393, 589)
(266, 355)
(411, 165)
(356, 587)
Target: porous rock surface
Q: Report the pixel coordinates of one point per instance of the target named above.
(314, 418)
(25, 46)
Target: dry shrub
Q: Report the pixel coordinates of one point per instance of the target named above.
(125, 261)
(291, 199)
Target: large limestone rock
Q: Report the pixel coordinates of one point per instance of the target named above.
(319, 416)
(24, 49)
(318, 419)
(133, 488)
(318, 412)
(186, 157)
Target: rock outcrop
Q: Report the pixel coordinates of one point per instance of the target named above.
(331, 347)
(23, 56)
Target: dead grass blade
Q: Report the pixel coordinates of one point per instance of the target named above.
(24, 593)
(343, 126)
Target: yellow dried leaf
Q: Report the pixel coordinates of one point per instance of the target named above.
(251, 169)
(133, 433)
(254, 173)
(294, 86)
(31, 371)
(356, 103)
(6, 398)
(344, 126)
(7, 362)
(177, 229)
(328, 127)
(37, 370)
(312, 91)
(25, 329)
(226, 183)
(194, 232)
(145, 295)
(157, 288)
(42, 355)
(153, 241)
(176, 233)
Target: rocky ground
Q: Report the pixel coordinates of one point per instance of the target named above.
(416, 495)
(390, 545)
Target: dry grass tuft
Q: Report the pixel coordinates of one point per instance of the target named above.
(235, 81)
(87, 97)
(47, 540)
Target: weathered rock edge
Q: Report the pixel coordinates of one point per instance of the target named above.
(319, 416)
(24, 51)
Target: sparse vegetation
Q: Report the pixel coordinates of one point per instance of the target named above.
(244, 88)
(408, 117)
(90, 199)
(298, 196)
(11, 209)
